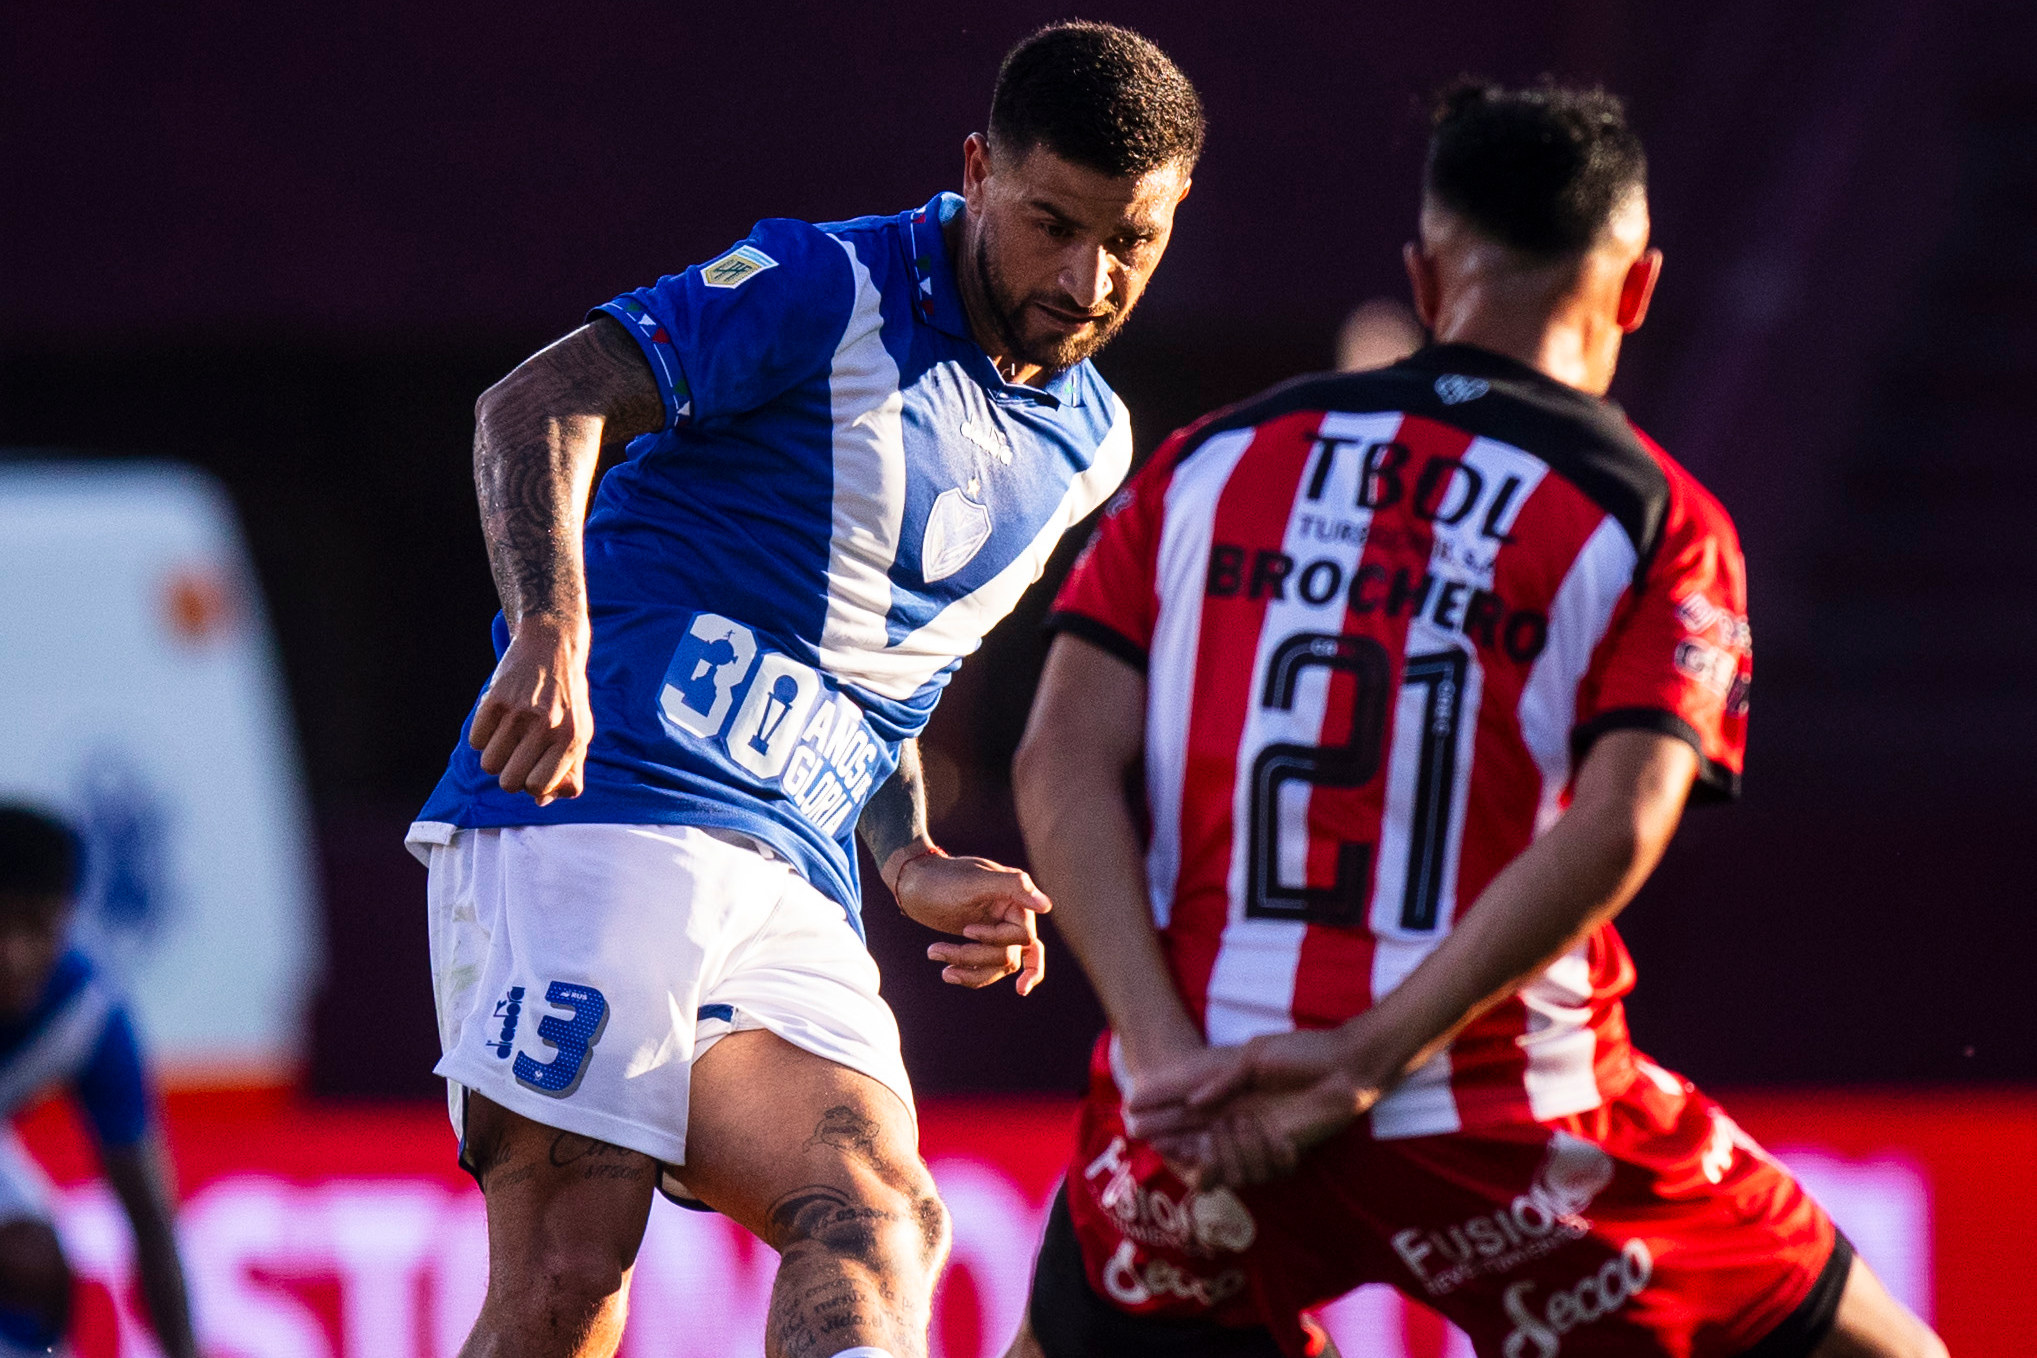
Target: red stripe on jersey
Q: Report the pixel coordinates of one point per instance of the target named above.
(1252, 514)
(1333, 975)
(1552, 528)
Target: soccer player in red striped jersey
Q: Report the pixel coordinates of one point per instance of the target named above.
(1419, 668)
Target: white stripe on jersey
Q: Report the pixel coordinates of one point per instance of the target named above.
(869, 514)
(1424, 1104)
(869, 448)
(1251, 987)
(1186, 528)
(958, 629)
(1560, 1045)
(58, 1050)
(1578, 618)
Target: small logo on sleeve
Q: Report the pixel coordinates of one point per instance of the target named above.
(736, 268)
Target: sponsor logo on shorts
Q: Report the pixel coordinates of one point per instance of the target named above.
(1545, 1218)
(1207, 1224)
(1128, 1283)
(1591, 1298)
(508, 1010)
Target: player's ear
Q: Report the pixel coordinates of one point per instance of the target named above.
(1637, 288)
(975, 169)
(1423, 283)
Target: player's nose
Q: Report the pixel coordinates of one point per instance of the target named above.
(1086, 277)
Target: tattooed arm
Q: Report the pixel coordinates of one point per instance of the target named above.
(990, 905)
(894, 824)
(538, 434)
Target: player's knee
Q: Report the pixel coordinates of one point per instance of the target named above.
(899, 1228)
(560, 1286)
(35, 1281)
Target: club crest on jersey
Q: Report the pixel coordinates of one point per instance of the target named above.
(957, 528)
(1455, 389)
(736, 268)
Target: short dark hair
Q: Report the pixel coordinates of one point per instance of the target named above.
(39, 854)
(1098, 95)
(1541, 169)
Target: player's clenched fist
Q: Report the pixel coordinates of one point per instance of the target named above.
(992, 906)
(534, 723)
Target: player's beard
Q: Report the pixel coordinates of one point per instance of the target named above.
(1008, 316)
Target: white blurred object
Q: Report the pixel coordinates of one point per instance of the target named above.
(145, 705)
(1376, 333)
(1884, 1208)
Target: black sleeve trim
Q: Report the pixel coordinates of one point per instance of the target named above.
(1715, 782)
(1098, 634)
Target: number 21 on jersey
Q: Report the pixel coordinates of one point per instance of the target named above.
(1439, 676)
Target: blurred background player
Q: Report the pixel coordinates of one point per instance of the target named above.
(851, 448)
(61, 1025)
(1379, 331)
(1419, 667)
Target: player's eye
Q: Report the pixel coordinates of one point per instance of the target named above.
(1056, 230)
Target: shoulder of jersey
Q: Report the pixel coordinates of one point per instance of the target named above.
(1587, 441)
(1699, 505)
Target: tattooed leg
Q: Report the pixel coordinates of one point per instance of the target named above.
(566, 1214)
(823, 1163)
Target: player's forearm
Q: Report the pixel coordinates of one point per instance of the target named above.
(164, 1292)
(141, 1180)
(1547, 900)
(1084, 849)
(538, 435)
(531, 473)
(1550, 898)
(894, 824)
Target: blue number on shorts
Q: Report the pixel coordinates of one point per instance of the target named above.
(572, 1037)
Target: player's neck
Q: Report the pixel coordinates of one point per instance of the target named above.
(1571, 349)
(976, 306)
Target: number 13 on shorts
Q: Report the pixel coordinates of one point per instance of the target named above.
(573, 1038)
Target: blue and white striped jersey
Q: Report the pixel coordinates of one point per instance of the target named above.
(78, 1035)
(845, 497)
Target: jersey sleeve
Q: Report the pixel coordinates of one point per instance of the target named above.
(732, 334)
(1110, 598)
(112, 1086)
(1678, 657)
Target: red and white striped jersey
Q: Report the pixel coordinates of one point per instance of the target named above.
(1382, 617)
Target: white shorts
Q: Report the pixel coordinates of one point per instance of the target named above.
(581, 970)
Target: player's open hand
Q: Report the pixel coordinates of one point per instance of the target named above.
(534, 723)
(992, 906)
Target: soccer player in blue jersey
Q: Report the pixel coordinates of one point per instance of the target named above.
(850, 448)
(60, 1024)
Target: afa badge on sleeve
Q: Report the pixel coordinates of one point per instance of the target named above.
(736, 268)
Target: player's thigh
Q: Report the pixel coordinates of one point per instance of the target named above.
(559, 1203)
(1872, 1324)
(795, 1146)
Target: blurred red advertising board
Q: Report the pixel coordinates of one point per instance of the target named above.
(343, 1231)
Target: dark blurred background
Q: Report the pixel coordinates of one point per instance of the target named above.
(291, 244)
